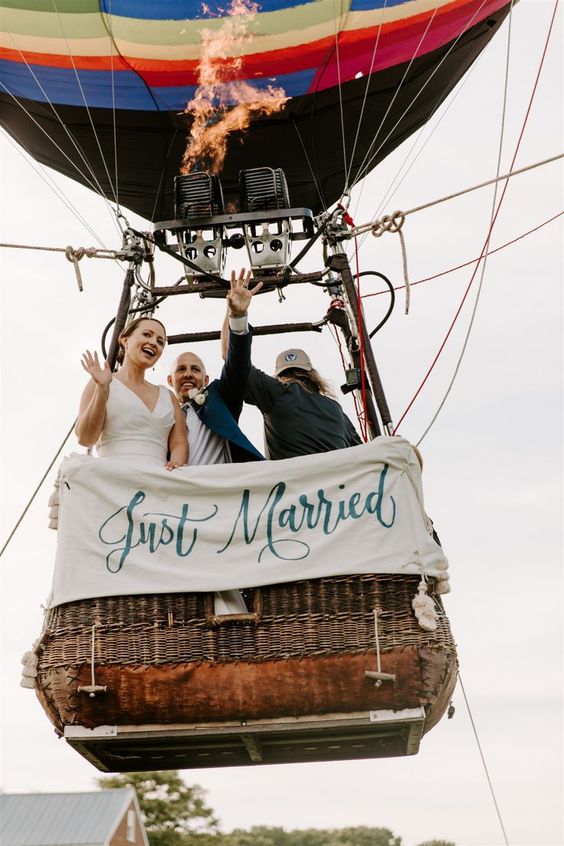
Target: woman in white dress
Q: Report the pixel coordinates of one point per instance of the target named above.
(122, 413)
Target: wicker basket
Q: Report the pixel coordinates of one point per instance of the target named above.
(303, 648)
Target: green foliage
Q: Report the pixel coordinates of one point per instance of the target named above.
(174, 813)
(264, 836)
(438, 843)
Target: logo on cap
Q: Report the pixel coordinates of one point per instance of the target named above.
(290, 356)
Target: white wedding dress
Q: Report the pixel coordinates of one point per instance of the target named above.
(132, 431)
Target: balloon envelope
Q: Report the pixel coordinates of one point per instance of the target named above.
(97, 90)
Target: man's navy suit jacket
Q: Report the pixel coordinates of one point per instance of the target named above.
(224, 402)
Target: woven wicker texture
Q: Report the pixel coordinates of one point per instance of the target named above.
(300, 619)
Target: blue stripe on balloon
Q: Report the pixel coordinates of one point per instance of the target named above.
(182, 10)
(60, 87)
(175, 98)
(367, 5)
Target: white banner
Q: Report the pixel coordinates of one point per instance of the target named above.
(131, 529)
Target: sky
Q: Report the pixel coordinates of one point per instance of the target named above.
(493, 458)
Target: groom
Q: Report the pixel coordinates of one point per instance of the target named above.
(213, 408)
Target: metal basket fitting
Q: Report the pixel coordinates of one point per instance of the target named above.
(199, 195)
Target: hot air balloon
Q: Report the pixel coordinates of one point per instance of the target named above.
(98, 91)
(325, 668)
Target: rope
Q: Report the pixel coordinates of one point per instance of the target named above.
(97, 188)
(107, 21)
(383, 222)
(46, 134)
(399, 177)
(36, 491)
(338, 27)
(51, 184)
(86, 106)
(311, 170)
(364, 99)
(394, 223)
(114, 123)
(405, 167)
(70, 252)
(72, 255)
(468, 263)
(365, 167)
(492, 791)
(368, 156)
(484, 254)
(494, 218)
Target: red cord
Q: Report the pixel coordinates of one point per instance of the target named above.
(337, 340)
(466, 263)
(494, 218)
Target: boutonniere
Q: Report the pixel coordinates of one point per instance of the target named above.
(198, 395)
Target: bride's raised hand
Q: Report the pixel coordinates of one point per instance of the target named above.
(102, 375)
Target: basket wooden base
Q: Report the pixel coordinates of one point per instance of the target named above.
(301, 654)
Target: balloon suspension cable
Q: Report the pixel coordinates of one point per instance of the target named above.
(37, 489)
(75, 255)
(389, 223)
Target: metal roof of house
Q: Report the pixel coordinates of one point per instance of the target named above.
(62, 819)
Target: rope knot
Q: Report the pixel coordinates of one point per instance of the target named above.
(74, 256)
(388, 223)
(394, 223)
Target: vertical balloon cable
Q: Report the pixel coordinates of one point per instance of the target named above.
(363, 107)
(114, 125)
(370, 156)
(86, 106)
(363, 164)
(492, 224)
(93, 183)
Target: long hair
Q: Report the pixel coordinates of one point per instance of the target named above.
(129, 330)
(310, 380)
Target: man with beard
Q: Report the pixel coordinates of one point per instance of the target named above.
(212, 409)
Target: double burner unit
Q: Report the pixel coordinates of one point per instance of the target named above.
(203, 228)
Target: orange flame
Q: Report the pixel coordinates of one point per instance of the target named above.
(222, 104)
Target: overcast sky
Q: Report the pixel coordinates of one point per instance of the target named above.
(493, 459)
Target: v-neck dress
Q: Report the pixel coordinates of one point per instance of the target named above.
(131, 430)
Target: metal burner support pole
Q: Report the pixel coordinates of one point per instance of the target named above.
(340, 264)
(121, 316)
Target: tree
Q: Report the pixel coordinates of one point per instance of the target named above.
(438, 843)
(174, 813)
(258, 835)
(265, 836)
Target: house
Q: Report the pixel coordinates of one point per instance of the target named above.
(100, 818)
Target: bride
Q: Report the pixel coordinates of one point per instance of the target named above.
(122, 413)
